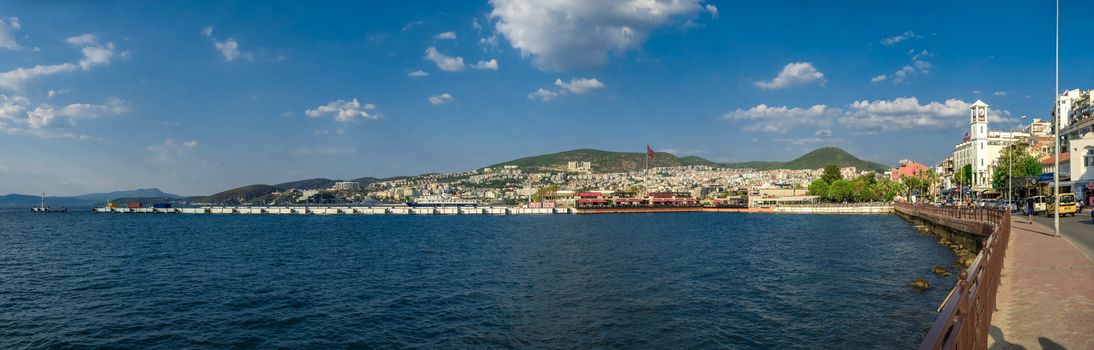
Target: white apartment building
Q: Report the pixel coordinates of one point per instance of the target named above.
(347, 186)
(982, 147)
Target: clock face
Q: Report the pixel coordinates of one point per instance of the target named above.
(982, 112)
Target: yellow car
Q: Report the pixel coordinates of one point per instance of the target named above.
(1067, 205)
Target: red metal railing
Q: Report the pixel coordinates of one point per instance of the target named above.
(964, 319)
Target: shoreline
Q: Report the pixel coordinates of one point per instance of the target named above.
(352, 210)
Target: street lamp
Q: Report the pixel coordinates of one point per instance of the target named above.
(1056, 126)
(1010, 169)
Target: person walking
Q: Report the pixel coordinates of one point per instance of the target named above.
(1029, 209)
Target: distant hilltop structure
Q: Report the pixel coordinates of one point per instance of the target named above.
(579, 166)
(346, 186)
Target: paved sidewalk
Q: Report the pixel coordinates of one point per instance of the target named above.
(1046, 296)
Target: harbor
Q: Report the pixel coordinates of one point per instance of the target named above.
(485, 210)
(339, 210)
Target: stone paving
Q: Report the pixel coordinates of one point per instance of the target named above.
(1046, 296)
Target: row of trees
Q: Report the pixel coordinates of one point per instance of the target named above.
(833, 187)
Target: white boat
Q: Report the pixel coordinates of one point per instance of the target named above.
(44, 209)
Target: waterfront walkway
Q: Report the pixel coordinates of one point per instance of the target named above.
(1046, 294)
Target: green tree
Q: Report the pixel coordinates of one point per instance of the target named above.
(831, 174)
(548, 191)
(818, 187)
(1014, 162)
(841, 191)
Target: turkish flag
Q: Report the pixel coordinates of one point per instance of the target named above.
(649, 152)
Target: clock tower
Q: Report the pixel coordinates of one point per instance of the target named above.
(978, 137)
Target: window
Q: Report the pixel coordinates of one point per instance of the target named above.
(1088, 158)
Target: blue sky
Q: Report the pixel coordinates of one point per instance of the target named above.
(196, 97)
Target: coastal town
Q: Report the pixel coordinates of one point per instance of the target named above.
(986, 164)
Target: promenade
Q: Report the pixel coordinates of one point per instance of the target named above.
(1046, 293)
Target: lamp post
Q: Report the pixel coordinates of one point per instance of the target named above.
(1010, 170)
(1056, 125)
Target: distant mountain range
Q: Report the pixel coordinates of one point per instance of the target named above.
(610, 162)
(84, 200)
(602, 161)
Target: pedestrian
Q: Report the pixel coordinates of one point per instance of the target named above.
(1029, 209)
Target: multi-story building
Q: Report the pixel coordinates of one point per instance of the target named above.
(981, 147)
(1076, 141)
(347, 186)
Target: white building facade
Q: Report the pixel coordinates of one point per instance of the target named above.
(982, 147)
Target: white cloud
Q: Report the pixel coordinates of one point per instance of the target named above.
(1000, 93)
(713, 10)
(16, 78)
(418, 74)
(446, 36)
(7, 33)
(441, 99)
(907, 113)
(902, 74)
(489, 43)
(794, 74)
(781, 118)
(82, 40)
(345, 111)
(45, 115)
(229, 48)
(411, 25)
(576, 86)
(871, 116)
(579, 86)
(976, 92)
(543, 95)
(445, 63)
(893, 40)
(918, 65)
(878, 78)
(492, 64)
(13, 107)
(573, 34)
(94, 53)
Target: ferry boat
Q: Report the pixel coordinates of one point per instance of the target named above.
(44, 209)
(441, 201)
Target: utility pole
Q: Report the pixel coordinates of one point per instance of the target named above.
(1056, 93)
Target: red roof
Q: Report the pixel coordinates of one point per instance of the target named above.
(909, 169)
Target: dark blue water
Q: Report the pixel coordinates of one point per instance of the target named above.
(687, 280)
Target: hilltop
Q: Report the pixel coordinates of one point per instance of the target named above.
(817, 159)
(603, 161)
(608, 161)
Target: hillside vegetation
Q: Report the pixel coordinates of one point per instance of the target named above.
(607, 161)
(603, 161)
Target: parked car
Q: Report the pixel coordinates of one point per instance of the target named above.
(1067, 205)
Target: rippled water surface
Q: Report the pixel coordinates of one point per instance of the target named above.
(683, 280)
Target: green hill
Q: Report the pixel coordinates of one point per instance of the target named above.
(816, 159)
(607, 161)
(603, 161)
(309, 184)
(240, 194)
(832, 155)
